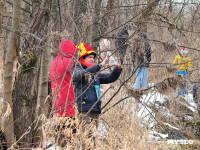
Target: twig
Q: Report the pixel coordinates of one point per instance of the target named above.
(48, 146)
(25, 10)
(115, 104)
(141, 12)
(27, 3)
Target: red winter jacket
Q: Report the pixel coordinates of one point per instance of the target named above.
(60, 75)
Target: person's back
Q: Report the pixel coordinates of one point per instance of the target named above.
(141, 57)
(60, 77)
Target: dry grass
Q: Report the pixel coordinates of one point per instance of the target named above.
(123, 129)
(5, 111)
(123, 132)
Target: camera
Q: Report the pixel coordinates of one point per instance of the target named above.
(112, 61)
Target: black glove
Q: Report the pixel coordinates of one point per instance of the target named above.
(143, 35)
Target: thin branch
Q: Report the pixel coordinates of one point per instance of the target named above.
(115, 104)
(143, 12)
(18, 33)
(25, 10)
(27, 3)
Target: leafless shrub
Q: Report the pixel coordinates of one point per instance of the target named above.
(170, 84)
(135, 93)
(169, 47)
(171, 69)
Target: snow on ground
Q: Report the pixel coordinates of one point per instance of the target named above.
(53, 147)
(170, 126)
(154, 135)
(153, 97)
(188, 117)
(102, 131)
(189, 102)
(147, 115)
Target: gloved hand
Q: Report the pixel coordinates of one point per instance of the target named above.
(143, 35)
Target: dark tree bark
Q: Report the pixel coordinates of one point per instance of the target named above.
(80, 7)
(26, 85)
(95, 27)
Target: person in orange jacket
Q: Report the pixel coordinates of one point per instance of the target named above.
(184, 65)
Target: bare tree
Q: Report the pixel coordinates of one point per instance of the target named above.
(30, 88)
(95, 27)
(11, 54)
(79, 9)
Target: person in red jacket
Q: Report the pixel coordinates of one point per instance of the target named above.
(60, 77)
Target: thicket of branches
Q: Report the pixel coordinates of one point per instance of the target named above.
(30, 33)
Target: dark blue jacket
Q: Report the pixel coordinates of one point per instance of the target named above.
(194, 90)
(84, 81)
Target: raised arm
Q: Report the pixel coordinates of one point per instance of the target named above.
(106, 78)
(175, 60)
(79, 73)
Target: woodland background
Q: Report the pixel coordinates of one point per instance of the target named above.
(30, 32)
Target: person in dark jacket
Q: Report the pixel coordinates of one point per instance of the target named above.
(87, 79)
(195, 93)
(141, 58)
(120, 42)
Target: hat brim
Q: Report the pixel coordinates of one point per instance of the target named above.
(88, 53)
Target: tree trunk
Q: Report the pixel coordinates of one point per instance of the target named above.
(43, 79)
(105, 21)
(42, 103)
(26, 85)
(56, 16)
(142, 25)
(95, 27)
(2, 50)
(79, 8)
(198, 92)
(8, 71)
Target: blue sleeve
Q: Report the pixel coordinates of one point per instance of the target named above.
(79, 73)
(106, 78)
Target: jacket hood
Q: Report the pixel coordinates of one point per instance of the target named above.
(66, 47)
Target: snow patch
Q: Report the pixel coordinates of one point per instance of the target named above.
(154, 135)
(53, 147)
(102, 131)
(188, 117)
(170, 126)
